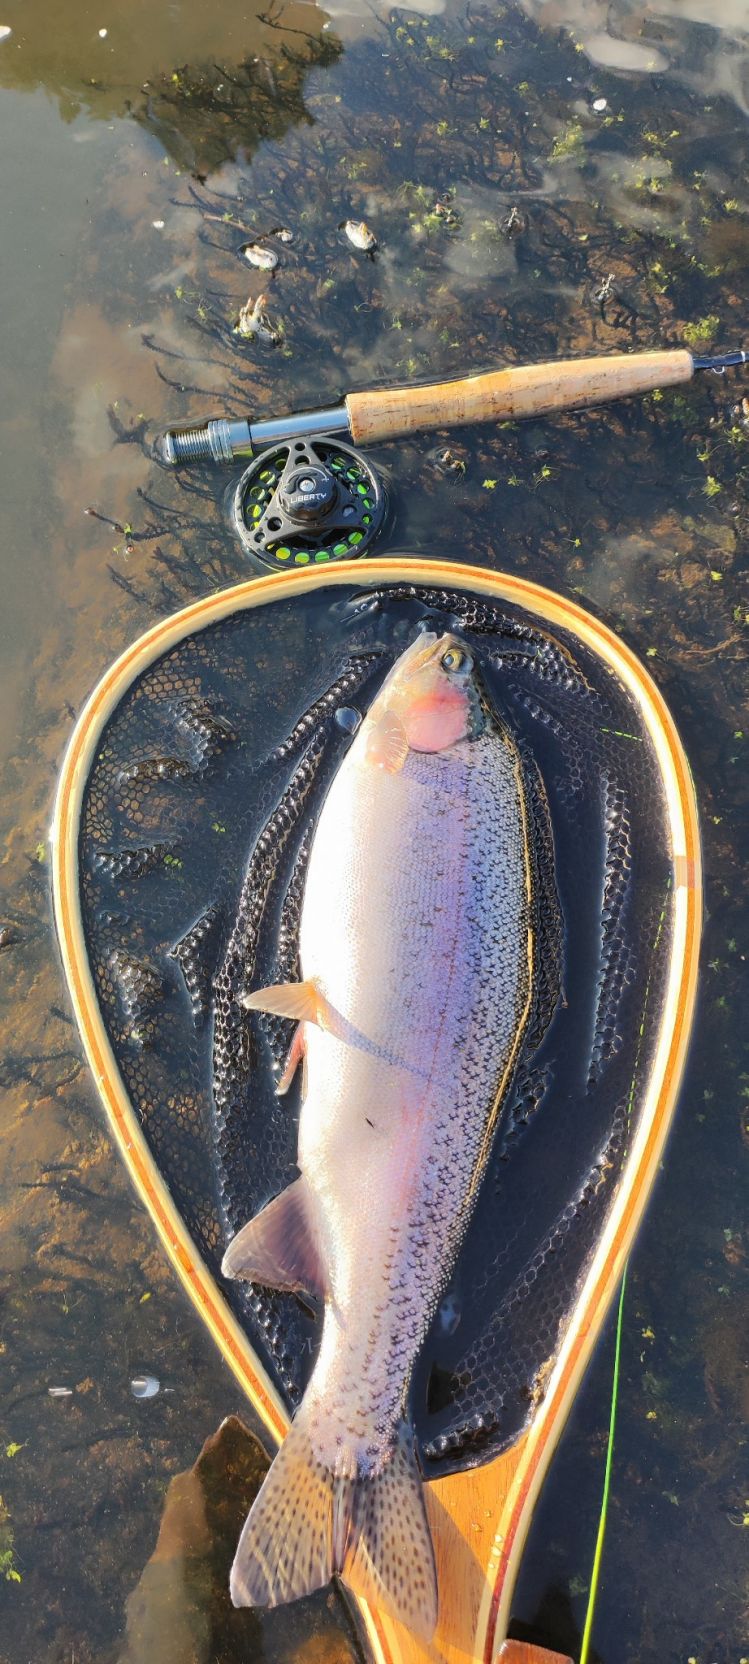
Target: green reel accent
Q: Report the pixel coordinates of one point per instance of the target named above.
(340, 516)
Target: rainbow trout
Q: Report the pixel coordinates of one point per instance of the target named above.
(416, 948)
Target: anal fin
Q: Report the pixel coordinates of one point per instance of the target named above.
(277, 1248)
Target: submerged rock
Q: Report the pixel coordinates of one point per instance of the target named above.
(256, 255)
(359, 235)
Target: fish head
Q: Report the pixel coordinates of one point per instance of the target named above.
(429, 702)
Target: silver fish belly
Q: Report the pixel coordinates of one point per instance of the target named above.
(417, 962)
(416, 927)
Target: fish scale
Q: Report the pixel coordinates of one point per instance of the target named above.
(430, 959)
(417, 961)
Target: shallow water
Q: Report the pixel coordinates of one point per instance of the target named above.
(119, 290)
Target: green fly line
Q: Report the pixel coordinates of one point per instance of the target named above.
(598, 1556)
(602, 1518)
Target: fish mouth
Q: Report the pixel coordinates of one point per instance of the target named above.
(417, 654)
(421, 651)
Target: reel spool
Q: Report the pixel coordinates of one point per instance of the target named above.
(306, 502)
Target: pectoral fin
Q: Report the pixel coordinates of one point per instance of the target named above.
(278, 1247)
(303, 1001)
(387, 745)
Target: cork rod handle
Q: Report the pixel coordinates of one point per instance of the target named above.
(508, 395)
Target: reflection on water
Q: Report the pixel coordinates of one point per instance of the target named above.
(99, 57)
(574, 226)
(704, 45)
(180, 1611)
(78, 172)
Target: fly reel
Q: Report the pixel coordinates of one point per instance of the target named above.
(306, 502)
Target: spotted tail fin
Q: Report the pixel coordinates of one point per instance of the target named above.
(390, 1559)
(309, 1523)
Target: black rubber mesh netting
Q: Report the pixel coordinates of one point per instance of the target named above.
(196, 822)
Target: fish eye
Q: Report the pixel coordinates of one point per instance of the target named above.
(455, 659)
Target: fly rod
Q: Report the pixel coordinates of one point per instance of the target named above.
(496, 396)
